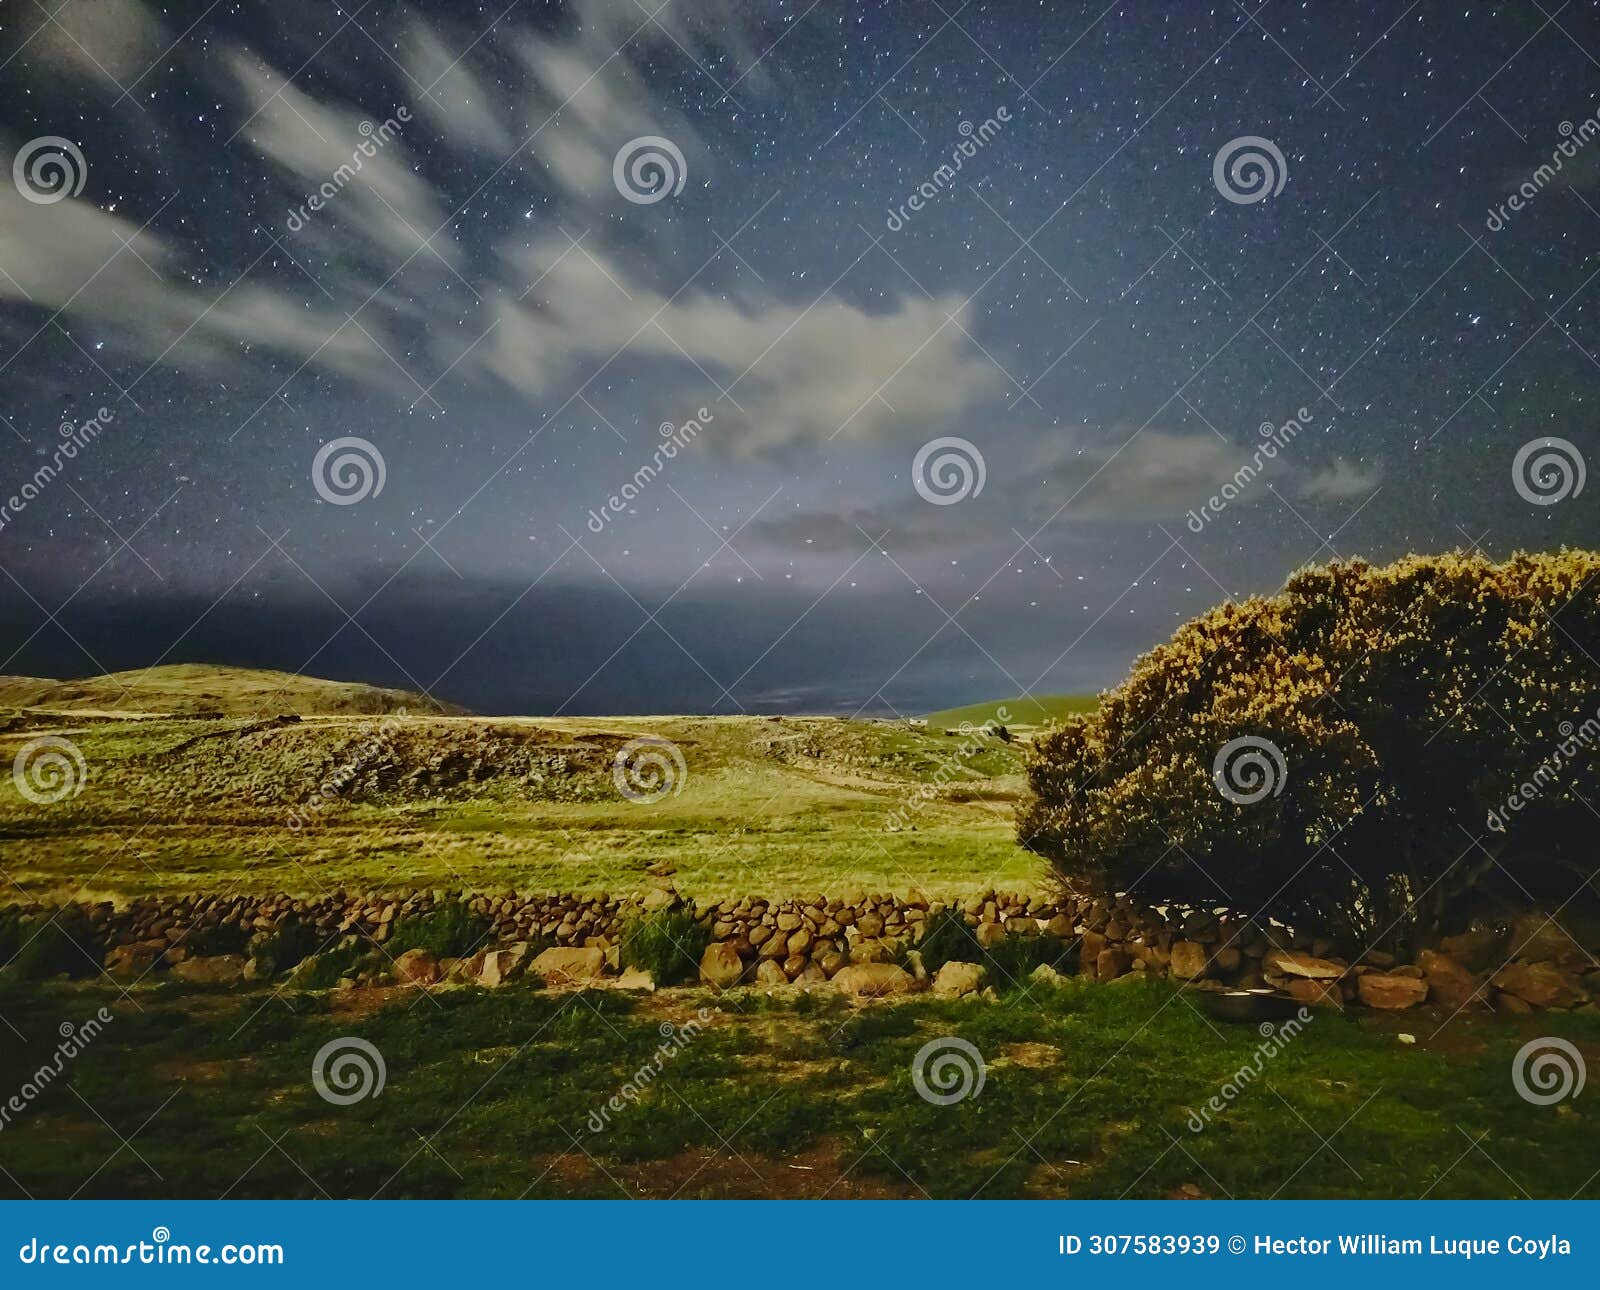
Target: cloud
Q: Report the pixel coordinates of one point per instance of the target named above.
(113, 41)
(1339, 482)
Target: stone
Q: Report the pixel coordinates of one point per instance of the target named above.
(636, 979)
(720, 966)
(1061, 926)
(1292, 963)
(990, 935)
(870, 924)
(1109, 964)
(873, 980)
(1189, 960)
(570, 965)
(873, 951)
(1477, 950)
(1449, 983)
(1315, 994)
(775, 946)
(799, 940)
(956, 978)
(1543, 985)
(1227, 958)
(1022, 926)
(1511, 1005)
(768, 972)
(417, 967)
(1538, 938)
(1046, 975)
(130, 962)
(1385, 990)
(915, 965)
(260, 967)
(217, 969)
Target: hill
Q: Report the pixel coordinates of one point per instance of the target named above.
(203, 689)
(1020, 714)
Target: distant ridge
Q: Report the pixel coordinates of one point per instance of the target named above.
(192, 689)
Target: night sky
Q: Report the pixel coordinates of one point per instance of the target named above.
(1081, 305)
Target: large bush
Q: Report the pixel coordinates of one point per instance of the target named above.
(1411, 706)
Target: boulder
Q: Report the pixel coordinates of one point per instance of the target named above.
(132, 961)
(721, 966)
(1385, 990)
(1315, 994)
(636, 979)
(417, 967)
(570, 965)
(1061, 926)
(217, 969)
(957, 978)
(1450, 983)
(1046, 975)
(769, 972)
(1189, 960)
(501, 966)
(1293, 963)
(1109, 964)
(1477, 950)
(990, 935)
(260, 967)
(1089, 950)
(1539, 938)
(873, 980)
(1543, 985)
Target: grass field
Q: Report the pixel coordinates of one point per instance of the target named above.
(1024, 713)
(764, 806)
(1087, 1091)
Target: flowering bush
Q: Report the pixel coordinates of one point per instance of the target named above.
(1392, 713)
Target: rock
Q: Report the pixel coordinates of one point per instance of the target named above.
(1109, 964)
(659, 897)
(1544, 985)
(1061, 926)
(130, 962)
(873, 980)
(636, 979)
(1046, 975)
(1511, 1005)
(956, 978)
(1089, 950)
(915, 965)
(1189, 960)
(870, 924)
(721, 966)
(1449, 983)
(569, 965)
(1292, 963)
(871, 951)
(417, 967)
(1385, 990)
(990, 935)
(769, 972)
(1022, 926)
(1477, 950)
(500, 966)
(1227, 958)
(218, 969)
(1315, 994)
(1538, 938)
(260, 967)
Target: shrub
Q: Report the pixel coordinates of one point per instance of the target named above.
(65, 944)
(288, 943)
(949, 939)
(668, 944)
(1407, 703)
(450, 930)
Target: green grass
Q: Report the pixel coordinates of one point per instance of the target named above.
(493, 1094)
(767, 807)
(1022, 713)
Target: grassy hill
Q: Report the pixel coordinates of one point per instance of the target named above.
(203, 689)
(1020, 713)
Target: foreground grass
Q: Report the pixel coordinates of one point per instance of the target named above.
(1087, 1093)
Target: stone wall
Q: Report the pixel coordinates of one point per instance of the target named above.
(1532, 963)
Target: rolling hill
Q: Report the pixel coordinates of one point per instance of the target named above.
(202, 689)
(1020, 713)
